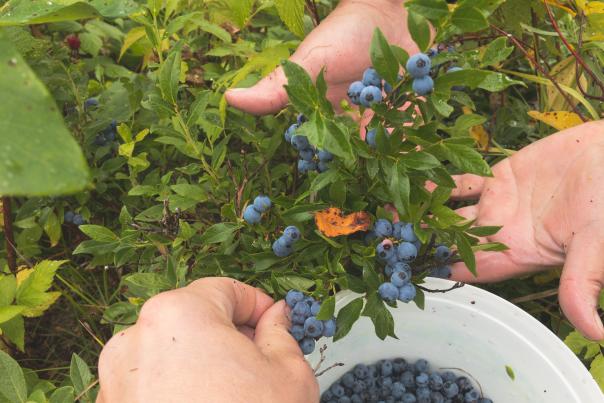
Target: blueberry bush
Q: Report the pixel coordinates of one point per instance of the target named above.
(124, 173)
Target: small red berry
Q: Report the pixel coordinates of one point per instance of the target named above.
(73, 42)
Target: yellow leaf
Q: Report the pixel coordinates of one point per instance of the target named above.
(38, 310)
(560, 6)
(133, 36)
(23, 273)
(565, 73)
(136, 301)
(126, 150)
(594, 7)
(559, 120)
(478, 133)
(333, 223)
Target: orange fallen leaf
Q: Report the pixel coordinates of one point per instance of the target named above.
(333, 223)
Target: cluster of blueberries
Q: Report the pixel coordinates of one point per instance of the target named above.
(306, 328)
(398, 248)
(72, 218)
(107, 136)
(419, 66)
(284, 246)
(310, 158)
(397, 380)
(368, 91)
(253, 213)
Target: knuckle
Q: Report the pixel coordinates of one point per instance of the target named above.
(163, 305)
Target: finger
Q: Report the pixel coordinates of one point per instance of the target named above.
(581, 283)
(272, 334)
(266, 97)
(468, 187)
(490, 267)
(247, 331)
(469, 212)
(231, 300)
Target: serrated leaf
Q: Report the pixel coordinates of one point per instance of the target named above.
(463, 157)
(9, 312)
(12, 381)
(292, 14)
(31, 291)
(347, 317)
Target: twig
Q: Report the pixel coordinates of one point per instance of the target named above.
(322, 360)
(11, 255)
(454, 287)
(92, 385)
(578, 58)
(541, 70)
(314, 12)
(577, 70)
(535, 296)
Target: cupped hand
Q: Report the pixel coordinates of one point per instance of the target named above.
(549, 197)
(341, 44)
(217, 340)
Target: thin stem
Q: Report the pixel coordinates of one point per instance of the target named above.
(314, 12)
(11, 255)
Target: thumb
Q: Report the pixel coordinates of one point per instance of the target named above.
(272, 334)
(266, 97)
(581, 282)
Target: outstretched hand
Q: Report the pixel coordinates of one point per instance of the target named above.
(549, 197)
(217, 340)
(341, 44)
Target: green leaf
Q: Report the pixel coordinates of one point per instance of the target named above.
(14, 330)
(433, 10)
(490, 247)
(12, 381)
(62, 395)
(347, 317)
(419, 29)
(463, 157)
(27, 12)
(419, 160)
(469, 19)
(219, 233)
(239, 10)
(465, 252)
(32, 291)
(496, 52)
(8, 289)
(80, 374)
(596, 369)
(510, 372)
(146, 285)
(328, 307)
(38, 155)
(292, 14)
(169, 75)
(382, 58)
(300, 88)
(483, 231)
(399, 187)
(52, 228)
(380, 316)
(99, 233)
(9, 312)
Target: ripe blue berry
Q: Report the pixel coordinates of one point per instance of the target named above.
(348, 380)
(472, 396)
(397, 227)
(291, 233)
(442, 253)
(371, 95)
(408, 379)
(406, 252)
(298, 319)
(371, 138)
(337, 390)
(387, 88)
(422, 380)
(371, 77)
(383, 228)
(361, 371)
(485, 400)
(313, 327)
(399, 365)
(407, 293)
(408, 234)
(306, 166)
(432, 52)
(251, 215)
(388, 292)
(297, 331)
(420, 366)
(290, 132)
(315, 308)
(386, 369)
(400, 266)
(437, 397)
(301, 308)
(355, 399)
(307, 345)
(91, 103)
(78, 220)
(409, 398)
(325, 156)
(322, 166)
(301, 119)
(423, 394)
(262, 203)
(300, 142)
(398, 390)
(436, 381)
(68, 217)
(419, 65)
(423, 86)
(329, 328)
(282, 248)
(449, 376)
(450, 389)
(293, 297)
(385, 251)
(354, 92)
(307, 155)
(400, 278)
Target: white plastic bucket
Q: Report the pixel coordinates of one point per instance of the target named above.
(477, 331)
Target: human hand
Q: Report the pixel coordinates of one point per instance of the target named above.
(341, 44)
(217, 340)
(549, 197)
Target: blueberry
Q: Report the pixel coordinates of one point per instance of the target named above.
(407, 293)
(385, 251)
(291, 233)
(100, 140)
(326, 396)
(370, 138)
(399, 365)
(422, 380)
(91, 103)
(290, 132)
(449, 376)
(388, 292)
(383, 228)
(450, 389)
(78, 220)
(293, 297)
(420, 366)
(408, 379)
(301, 119)
(354, 92)
(307, 155)
(306, 166)
(68, 217)
(423, 393)
(406, 252)
(361, 371)
(437, 397)
(472, 396)
(359, 385)
(401, 266)
(344, 399)
(307, 345)
(337, 390)
(300, 142)
(251, 215)
(441, 272)
(298, 319)
(442, 253)
(297, 331)
(313, 327)
(398, 390)
(419, 65)
(409, 398)
(329, 328)
(356, 399)
(301, 308)
(400, 278)
(408, 234)
(464, 384)
(397, 227)
(432, 52)
(262, 203)
(436, 381)
(348, 380)
(423, 86)
(371, 95)
(282, 248)
(388, 88)
(322, 166)
(325, 156)
(485, 400)
(372, 78)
